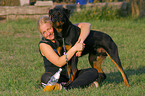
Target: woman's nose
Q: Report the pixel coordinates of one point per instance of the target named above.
(48, 33)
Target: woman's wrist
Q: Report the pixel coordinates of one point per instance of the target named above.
(74, 48)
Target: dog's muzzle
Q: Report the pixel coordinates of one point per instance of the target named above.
(57, 23)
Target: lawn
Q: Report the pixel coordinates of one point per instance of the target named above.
(21, 65)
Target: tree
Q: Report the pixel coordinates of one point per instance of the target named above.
(136, 7)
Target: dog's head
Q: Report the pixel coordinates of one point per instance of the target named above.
(59, 17)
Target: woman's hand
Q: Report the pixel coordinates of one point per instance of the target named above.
(85, 30)
(80, 52)
(50, 54)
(79, 46)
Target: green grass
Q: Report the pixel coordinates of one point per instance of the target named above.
(21, 65)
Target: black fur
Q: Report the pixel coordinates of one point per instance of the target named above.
(98, 44)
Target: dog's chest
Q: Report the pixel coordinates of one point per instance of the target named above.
(71, 35)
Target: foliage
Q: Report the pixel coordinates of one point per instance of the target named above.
(96, 13)
(9, 2)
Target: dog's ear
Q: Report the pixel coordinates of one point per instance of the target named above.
(67, 12)
(50, 12)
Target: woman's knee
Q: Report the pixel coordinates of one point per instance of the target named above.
(94, 72)
(46, 77)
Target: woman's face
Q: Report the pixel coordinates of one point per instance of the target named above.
(47, 31)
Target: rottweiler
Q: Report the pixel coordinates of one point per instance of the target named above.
(98, 45)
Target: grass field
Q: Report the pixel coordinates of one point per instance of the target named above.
(21, 65)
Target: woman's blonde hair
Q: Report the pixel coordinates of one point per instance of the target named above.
(43, 20)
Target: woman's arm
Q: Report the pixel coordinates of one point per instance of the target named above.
(85, 30)
(50, 54)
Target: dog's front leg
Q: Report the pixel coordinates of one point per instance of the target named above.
(74, 62)
(72, 69)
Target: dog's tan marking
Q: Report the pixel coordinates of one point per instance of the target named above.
(68, 47)
(121, 71)
(59, 24)
(71, 77)
(101, 50)
(58, 29)
(97, 64)
(59, 50)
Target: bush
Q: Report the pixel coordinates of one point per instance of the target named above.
(96, 13)
(9, 2)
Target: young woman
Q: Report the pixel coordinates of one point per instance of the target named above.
(52, 61)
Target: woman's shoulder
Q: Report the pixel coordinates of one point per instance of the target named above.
(46, 41)
(43, 40)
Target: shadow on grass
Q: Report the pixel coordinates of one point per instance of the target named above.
(112, 77)
(116, 77)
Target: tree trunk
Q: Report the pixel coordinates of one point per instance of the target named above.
(136, 7)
